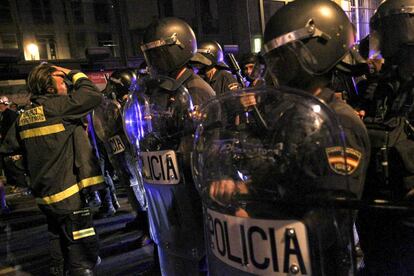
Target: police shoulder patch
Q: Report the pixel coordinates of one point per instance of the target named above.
(343, 163)
(233, 86)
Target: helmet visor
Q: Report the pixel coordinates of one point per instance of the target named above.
(285, 62)
(160, 59)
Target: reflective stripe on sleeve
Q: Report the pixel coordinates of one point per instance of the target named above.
(41, 131)
(90, 181)
(78, 76)
(47, 200)
(83, 233)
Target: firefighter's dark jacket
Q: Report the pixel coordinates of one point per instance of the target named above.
(53, 139)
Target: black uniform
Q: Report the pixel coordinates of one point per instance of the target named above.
(8, 117)
(61, 163)
(175, 210)
(387, 238)
(276, 171)
(223, 81)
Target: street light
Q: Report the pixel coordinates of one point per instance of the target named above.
(33, 50)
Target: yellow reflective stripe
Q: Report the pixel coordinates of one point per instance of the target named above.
(78, 76)
(70, 191)
(59, 196)
(90, 181)
(7, 270)
(83, 233)
(41, 131)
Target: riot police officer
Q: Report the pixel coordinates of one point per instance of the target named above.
(387, 238)
(302, 49)
(252, 69)
(107, 121)
(211, 65)
(303, 43)
(164, 141)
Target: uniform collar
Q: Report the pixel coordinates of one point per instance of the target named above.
(172, 85)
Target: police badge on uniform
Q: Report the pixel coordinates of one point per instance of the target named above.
(342, 163)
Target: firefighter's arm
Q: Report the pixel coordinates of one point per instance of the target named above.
(84, 98)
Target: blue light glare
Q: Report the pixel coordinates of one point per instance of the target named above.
(136, 121)
(241, 176)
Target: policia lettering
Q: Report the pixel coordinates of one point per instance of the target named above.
(259, 246)
(160, 167)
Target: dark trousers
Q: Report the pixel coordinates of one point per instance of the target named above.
(73, 242)
(387, 242)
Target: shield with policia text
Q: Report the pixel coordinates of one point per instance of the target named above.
(159, 121)
(108, 126)
(270, 174)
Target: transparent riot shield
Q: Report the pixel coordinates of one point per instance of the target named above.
(108, 126)
(271, 167)
(159, 121)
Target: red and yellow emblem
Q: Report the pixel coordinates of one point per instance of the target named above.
(342, 163)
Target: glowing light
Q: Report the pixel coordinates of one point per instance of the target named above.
(316, 108)
(257, 44)
(33, 50)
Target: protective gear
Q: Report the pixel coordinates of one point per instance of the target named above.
(393, 26)
(61, 163)
(120, 82)
(305, 39)
(251, 67)
(159, 123)
(270, 196)
(211, 54)
(108, 126)
(168, 44)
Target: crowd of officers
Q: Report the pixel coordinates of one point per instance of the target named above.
(306, 46)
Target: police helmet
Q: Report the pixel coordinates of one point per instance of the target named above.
(248, 58)
(306, 37)
(168, 44)
(121, 80)
(393, 24)
(210, 53)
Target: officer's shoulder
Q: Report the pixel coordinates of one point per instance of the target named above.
(226, 74)
(346, 114)
(196, 83)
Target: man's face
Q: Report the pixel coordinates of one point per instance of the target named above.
(61, 88)
(248, 69)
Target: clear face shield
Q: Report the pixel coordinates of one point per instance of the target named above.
(157, 117)
(272, 195)
(286, 54)
(160, 59)
(106, 119)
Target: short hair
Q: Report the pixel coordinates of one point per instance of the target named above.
(40, 79)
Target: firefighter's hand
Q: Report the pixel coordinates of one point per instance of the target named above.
(222, 191)
(247, 100)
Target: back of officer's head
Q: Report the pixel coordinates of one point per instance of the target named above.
(305, 40)
(40, 80)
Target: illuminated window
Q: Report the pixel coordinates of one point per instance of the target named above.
(257, 44)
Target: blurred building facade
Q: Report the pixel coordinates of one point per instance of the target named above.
(62, 29)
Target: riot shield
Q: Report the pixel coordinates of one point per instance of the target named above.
(108, 126)
(159, 123)
(271, 186)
